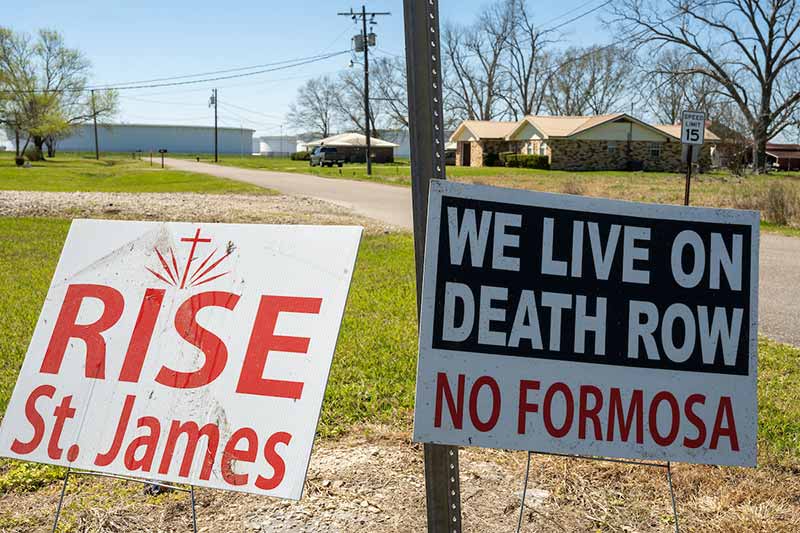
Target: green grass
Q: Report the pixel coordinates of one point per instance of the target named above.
(112, 173)
(373, 373)
(789, 231)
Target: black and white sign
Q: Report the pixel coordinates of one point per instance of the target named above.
(693, 127)
(580, 325)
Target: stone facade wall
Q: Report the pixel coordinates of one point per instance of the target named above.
(477, 149)
(595, 155)
(493, 147)
(475, 153)
(566, 154)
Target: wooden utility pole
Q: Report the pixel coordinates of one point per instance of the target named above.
(367, 126)
(365, 42)
(94, 118)
(426, 131)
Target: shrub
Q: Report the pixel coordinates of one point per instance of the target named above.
(533, 161)
(780, 203)
(19, 160)
(300, 156)
(508, 158)
(491, 159)
(512, 160)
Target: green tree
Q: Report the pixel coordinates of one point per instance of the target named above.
(43, 83)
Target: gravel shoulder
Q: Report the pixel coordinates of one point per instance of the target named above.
(372, 480)
(277, 209)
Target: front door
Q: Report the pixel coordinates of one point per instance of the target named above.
(466, 151)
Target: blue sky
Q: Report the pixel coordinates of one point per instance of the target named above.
(131, 41)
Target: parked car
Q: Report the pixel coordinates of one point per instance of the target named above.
(326, 156)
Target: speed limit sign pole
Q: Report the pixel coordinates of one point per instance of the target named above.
(693, 130)
(689, 156)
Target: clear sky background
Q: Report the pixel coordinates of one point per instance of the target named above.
(146, 39)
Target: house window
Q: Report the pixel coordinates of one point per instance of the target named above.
(655, 150)
(543, 149)
(529, 148)
(612, 147)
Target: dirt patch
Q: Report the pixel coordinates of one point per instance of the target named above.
(372, 480)
(183, 206)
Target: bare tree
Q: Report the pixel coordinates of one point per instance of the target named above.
(389, 75)
(569, 85)
(666, 90)
(315, 107)
(474, 74)
(592, 80)
(349, 103)
(527, 65)
(751, 48)
(45, 83)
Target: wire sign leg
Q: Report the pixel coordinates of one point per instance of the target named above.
(61, 500)
(194, 513)
(524, 493)
(672, 496)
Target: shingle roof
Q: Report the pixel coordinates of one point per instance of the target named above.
(675, 131)
(351, 139)
(559, 126)
(565, 126)
(487, 129)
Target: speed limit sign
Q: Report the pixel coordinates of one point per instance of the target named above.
(693, 127)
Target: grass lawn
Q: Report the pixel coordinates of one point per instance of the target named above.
(373, 374)
(112, 173)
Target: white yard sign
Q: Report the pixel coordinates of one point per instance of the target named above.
(190, 353)
(693, 127)
(576, 325)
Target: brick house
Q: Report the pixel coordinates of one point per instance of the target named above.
(602, 142)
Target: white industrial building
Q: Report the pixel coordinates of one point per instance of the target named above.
(5, 141)
(275, 145)
(147, 137)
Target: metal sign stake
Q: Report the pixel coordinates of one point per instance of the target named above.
(61, 500)
(123, 478)
(524, 493)
(194, 511)
(667, 467)
(672, 494)
(426, 132)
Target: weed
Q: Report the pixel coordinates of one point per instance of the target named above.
(780, 204)
(573, 186)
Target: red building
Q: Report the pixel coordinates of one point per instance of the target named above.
(783, 156)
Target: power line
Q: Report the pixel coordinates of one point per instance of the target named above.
(622, 40)
(267, 115)
(578, 17)
(569, 12)
(211, 73)
(315, 59)
(232, 76)
(162, 102)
